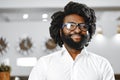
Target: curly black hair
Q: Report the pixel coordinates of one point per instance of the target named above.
(72, 8)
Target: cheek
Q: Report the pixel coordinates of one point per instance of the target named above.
(66, 32)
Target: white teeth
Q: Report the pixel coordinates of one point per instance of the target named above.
(76, 36)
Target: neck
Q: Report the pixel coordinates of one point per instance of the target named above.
(73, 52)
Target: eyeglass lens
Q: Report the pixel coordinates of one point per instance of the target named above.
(73, 26)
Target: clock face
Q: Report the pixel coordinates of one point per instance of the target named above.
(3, 45)
(25, 45)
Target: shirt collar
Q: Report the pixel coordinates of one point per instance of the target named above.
(83, 52)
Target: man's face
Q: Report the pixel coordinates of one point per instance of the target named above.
(75, 37)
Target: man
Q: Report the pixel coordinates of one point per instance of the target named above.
(72, 29)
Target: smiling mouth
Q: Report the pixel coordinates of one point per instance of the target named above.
(76, 37)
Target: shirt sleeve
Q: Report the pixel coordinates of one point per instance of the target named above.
(108, 73)
(38, 72)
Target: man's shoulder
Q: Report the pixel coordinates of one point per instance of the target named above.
(98, 57)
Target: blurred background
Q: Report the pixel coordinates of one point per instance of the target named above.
(24, 33)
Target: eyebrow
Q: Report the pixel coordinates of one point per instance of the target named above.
(71, 22)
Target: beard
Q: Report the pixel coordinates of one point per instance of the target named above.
(75, 45)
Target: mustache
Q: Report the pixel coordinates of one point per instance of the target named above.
(76, 34)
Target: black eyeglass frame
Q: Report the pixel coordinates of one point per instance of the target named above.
(82, 26)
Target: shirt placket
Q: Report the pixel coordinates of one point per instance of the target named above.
(73, 72)
(73, 68)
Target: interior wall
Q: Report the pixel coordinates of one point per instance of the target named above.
(13, 31)
(39, 31)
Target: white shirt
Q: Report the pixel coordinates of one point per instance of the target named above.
(61, 66)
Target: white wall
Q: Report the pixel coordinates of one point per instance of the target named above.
(39, 31)
(108, 48)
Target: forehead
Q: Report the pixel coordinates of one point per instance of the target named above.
(74, 18)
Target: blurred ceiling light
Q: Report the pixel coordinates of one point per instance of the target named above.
(44, 16)
(116, 38)
(99, 30)
(26, 62)
(44, 20)
(99, 37)
(118, 29)
(17, 78)
(25, 16)
(118, 18)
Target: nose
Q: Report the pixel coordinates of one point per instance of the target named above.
(77, 30)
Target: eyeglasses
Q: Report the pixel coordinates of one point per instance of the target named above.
(72, 26)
